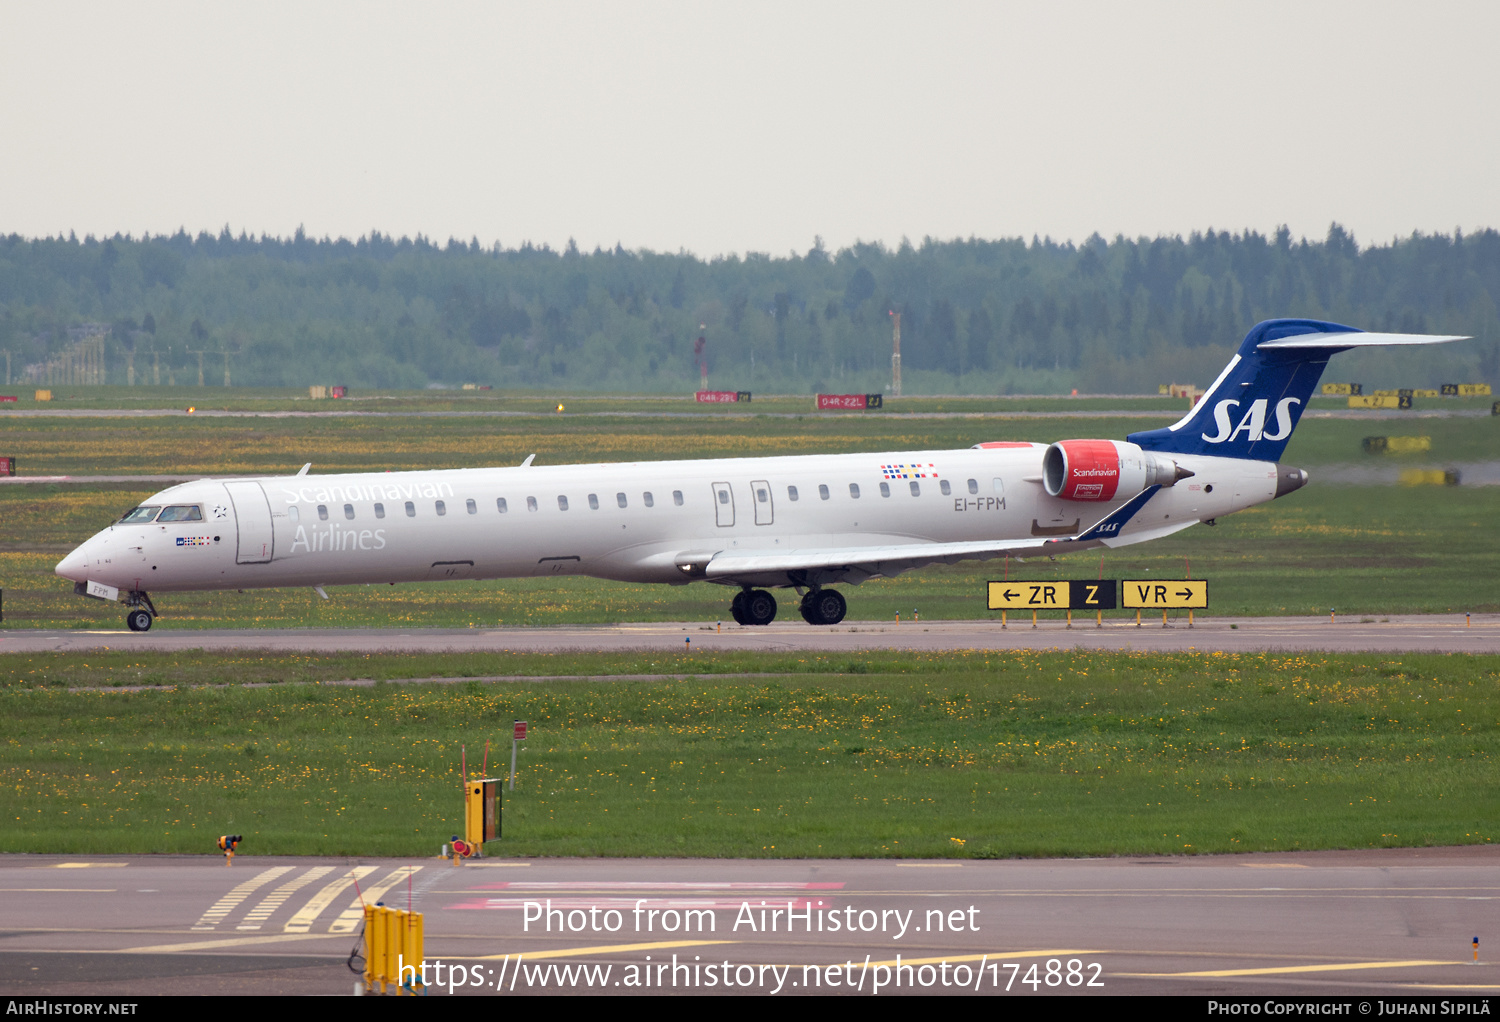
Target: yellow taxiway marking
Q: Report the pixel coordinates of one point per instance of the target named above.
(1286, 969)
(928, 865)
(997, 957)
(495, 865)
(198, 945)
(81, 865)
(221, 908)
(1273, 865)
(603, 949)
(302, 921)
(355, 913)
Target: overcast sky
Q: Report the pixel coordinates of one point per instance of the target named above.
(727, 127)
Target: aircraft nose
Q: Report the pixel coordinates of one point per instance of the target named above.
(74, 567)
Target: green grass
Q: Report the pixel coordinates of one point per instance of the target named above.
(957, 755)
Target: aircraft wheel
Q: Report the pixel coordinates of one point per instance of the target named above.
(760, 607)
(737, 608)
(824, 607)
(138, 620)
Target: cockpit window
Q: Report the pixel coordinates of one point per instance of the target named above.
(182, 513)
(139, 515)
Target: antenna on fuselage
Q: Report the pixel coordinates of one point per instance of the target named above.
(529, 459)
(303, 470)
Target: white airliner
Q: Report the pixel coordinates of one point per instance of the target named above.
(806, 523)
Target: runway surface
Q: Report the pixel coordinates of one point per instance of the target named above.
(1384, 923)
(1409, 633)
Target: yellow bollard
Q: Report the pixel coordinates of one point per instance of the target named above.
(1033, 619)
(393, 950)
(374, 948)
(412, 952)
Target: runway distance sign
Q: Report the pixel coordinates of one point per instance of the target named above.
(1093, 594)
(1157, 594)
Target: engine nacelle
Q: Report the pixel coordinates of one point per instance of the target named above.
(1098, 470)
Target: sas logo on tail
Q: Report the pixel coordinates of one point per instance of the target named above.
(1253, 423)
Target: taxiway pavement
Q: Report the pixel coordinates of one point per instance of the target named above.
(1365, 923)
(1396, 634)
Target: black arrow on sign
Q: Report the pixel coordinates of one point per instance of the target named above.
(1185, 593)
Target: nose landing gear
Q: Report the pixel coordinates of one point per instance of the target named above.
(823, 607)
(141, 612)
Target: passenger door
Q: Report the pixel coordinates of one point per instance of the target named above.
(252, 514)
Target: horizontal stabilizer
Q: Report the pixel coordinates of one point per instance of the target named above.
(1355, 340)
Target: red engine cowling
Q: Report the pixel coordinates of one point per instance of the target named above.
(1099, 470)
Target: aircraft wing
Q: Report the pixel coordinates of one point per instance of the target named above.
(856, 564)
(853, 564)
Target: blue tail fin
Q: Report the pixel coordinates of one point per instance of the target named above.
(1252, 408)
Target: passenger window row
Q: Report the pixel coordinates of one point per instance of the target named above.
(440, 507)
(885, 490)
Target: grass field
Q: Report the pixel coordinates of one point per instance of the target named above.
(962, 755)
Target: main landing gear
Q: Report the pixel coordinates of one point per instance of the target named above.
(823, 607)
(753, 607)
(141, 612)
(758, 607)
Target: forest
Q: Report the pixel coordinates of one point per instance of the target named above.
(977, 316)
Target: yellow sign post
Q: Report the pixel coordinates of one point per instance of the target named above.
(1089, 594)
(481, 813)
(1380, 401)
(1097, 595)
(1158, 594)
(1028, 595)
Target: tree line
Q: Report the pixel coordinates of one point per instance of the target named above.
(977, 316)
